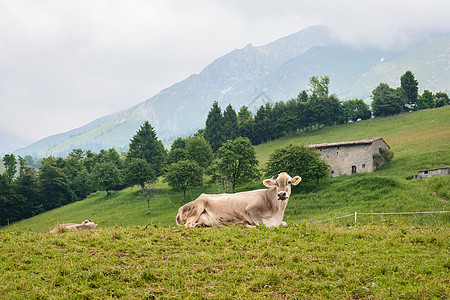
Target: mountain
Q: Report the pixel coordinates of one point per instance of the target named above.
(8, 143)
(254, 75)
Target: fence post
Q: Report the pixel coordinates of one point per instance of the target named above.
(355, 217)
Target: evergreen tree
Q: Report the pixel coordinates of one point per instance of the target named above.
(246, 123)
(145, 145)
(230, 123)
(214, 126)
(411, 87)
(262, 124)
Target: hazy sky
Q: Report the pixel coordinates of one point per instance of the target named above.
(64, 63)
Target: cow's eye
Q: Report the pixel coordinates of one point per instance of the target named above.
(289, 182)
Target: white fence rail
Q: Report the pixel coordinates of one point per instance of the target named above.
(389, 213)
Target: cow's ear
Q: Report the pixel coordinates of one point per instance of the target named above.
(269, 182)
(296, 180)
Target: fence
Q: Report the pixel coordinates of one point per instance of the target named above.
(390, 213)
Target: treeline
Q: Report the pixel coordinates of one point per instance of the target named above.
(313, 109)
(26, 191)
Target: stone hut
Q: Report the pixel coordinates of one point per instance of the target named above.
(432, 172)
(346, 158)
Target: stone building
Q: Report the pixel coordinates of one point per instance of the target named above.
(346, 158)
(432, 172)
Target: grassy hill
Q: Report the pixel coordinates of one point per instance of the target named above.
(419, 140)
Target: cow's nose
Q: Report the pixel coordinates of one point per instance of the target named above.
(282, 194)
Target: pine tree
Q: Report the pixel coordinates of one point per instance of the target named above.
(146, 145)
(230, 123)
(214, 126)
(410, 85)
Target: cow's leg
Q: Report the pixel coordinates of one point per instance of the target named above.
(254, 215)
(196, 210)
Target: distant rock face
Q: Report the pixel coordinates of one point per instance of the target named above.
(253, 76)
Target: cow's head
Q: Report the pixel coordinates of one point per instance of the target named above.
(89, 224)
(283, 184)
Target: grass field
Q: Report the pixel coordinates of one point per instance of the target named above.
(138, 255)
(294, 262)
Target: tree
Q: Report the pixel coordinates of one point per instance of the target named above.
(10, 163)
(356, 109)
(325, 110)
(262, 124)
(26, 185)
(387, 101)
(296, 159)
(426, 100)
(237, 161)
(139, 171)
(214, 126)
(303, 96)
(441, 99)
(230, 123)
(200, 151)
(246, 123)
(411, 87)
(184, 174)
(146, 145)
(319, 87)
(12, 205)
(106, 176)
(177, 151)
(54, 187)
(81, 184)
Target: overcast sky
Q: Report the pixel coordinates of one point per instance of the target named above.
(64, 63)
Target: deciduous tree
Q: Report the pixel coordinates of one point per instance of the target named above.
(297, 159)
(237, 161)
(184, 174)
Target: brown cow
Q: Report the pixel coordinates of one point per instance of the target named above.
(86, 224)
(260, 207)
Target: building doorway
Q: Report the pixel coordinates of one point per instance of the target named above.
(353, 169)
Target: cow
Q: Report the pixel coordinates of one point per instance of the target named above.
(260, 207)
(86, 224)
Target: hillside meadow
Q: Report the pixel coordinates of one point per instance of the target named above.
(138, 255)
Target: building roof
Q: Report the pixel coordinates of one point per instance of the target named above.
(349, 143)
(443, 168)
